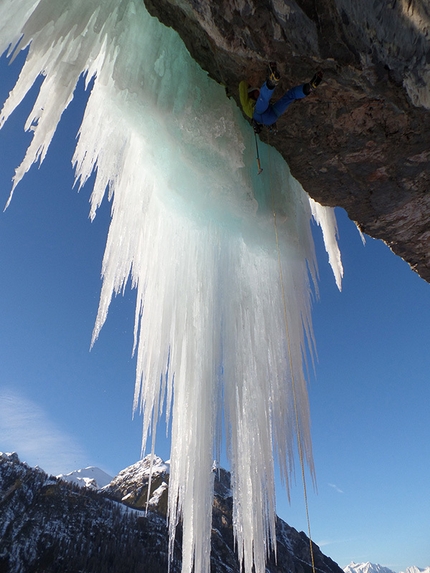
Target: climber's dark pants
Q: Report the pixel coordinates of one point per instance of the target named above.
(267, 113)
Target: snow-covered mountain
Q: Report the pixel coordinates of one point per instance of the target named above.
(88, 477)
(375, 568)
(47, 522)
(129, 478)
(415, 569)
(366, 568)
(50, 524)
(141, 471)
(130, 486)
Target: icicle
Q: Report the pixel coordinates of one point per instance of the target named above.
(325, 218)
(192, 227)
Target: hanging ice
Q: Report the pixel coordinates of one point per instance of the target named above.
(223, 301)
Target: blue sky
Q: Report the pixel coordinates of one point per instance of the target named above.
(63, 407)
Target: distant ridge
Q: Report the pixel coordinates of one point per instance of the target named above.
(415, 569)
(368, 567)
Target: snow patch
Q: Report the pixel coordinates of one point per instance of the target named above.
(156, 494)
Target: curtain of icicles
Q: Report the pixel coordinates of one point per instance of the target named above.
(192, 225)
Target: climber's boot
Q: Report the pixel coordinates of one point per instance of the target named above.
(313, 84)
(316, 80)
(274, 76)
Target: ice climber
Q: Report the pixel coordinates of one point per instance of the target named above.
(256, 102)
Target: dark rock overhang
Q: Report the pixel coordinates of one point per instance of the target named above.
(361, 141)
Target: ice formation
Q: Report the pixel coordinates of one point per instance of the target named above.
(222, 259)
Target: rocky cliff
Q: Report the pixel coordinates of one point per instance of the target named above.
(361, 141)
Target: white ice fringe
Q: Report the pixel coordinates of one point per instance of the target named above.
(192, 225)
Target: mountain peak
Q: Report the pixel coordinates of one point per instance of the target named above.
(130, 486)
(90, 477)
(415, 569)
(141, 470)
(368, 567)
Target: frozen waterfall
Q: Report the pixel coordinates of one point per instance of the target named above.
(222, 259)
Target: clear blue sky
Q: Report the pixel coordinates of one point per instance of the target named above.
(63, 407)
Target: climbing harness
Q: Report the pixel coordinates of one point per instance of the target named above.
(293, 383)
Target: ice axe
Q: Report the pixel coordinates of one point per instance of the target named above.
(260, 169)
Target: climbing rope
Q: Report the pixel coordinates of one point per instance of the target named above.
(293, 383)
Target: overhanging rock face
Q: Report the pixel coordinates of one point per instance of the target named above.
(361, 141)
